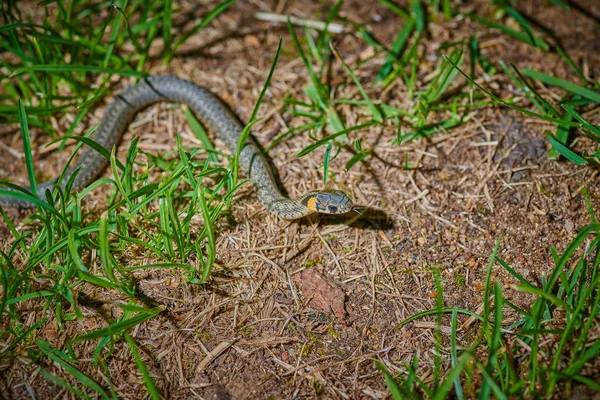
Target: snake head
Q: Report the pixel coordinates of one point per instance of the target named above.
(329, 202)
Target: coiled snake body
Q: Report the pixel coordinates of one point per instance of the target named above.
(217, 118)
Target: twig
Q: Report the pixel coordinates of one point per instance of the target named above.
(332, 27)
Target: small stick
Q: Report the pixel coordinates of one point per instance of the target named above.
(216, 352)
(332, 27)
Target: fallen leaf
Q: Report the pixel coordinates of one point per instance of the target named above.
(252, 41)
(324, 294)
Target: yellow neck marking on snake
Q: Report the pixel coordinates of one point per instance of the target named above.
(311, 204)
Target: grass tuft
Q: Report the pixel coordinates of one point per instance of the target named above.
(65, 245)
(508, 355)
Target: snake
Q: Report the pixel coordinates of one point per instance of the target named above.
(217, 116)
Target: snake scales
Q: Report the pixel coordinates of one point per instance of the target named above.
(217, 118)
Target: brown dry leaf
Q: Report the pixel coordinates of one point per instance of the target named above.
(324, 294)
(252, 41)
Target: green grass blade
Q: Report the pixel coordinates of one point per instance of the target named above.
(521, 36)
(27, 197)
(359, 156)
(117, 179)
(7, 350)
(51, 353)
(512, 271)
(562, 136)
(205, 21)
(563, 84)
(571, 64)
(165, 225)
(62, 383)
(486, 386)
(548, 296)
(395, 8)
(458, 391)
(492, 384)
(118, 327)
(591, 383)
(310, 148)
(375, 113)
(29, 296)
(396, 50)
(326, 161)
(166, 29)
(114, 32)
(25, 137)
(200, 133)
(444, 389)
(104, 249)
(522, 21)
(246, 132)
(564, 150)
(432, 311)
(561, 4)
(15, 25)
(94, 145)
(533, 95)
(395, 390)
(157, 265)
(318, 89)
(150, 386)
(59, 68)
(509, 105)
(211, 247)
(584, 123)
(437, 333)
(418, 16)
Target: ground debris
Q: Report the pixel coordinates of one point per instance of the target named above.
(323, 293)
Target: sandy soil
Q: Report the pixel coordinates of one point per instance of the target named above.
(485, 180)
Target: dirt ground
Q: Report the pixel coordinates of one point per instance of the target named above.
(485, 180)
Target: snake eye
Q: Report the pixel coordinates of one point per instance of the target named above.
(332, 209)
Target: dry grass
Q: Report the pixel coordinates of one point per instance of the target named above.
(252, 332)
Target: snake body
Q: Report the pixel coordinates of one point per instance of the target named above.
(218, 118)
